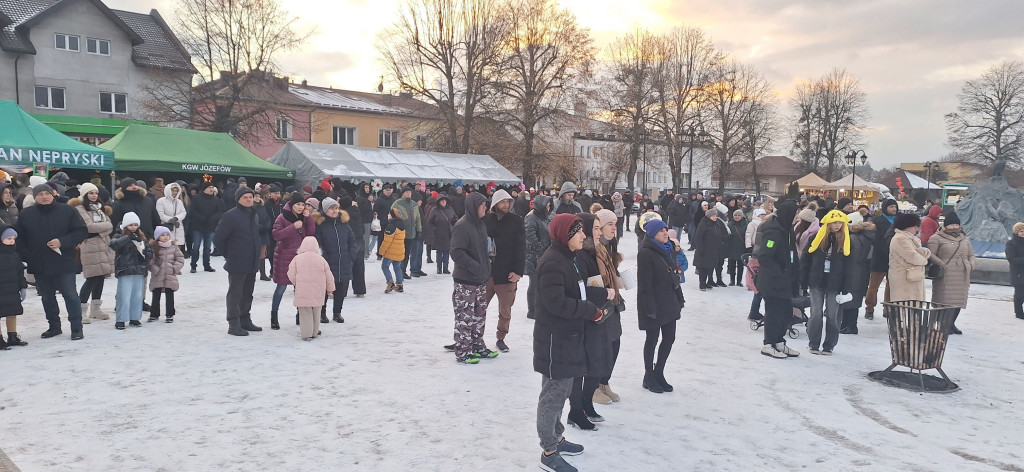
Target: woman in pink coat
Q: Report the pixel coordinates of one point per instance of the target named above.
(312, 278)
(289, 229)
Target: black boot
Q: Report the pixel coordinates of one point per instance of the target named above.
(296, 319)
(14, 340)
(235, 329)
(3, 345)
(246, 323)
(659, 374)
(651, 382)
(263, 272)
(579, 420)
(338, 318)
(273, 321)
(323, 318)
(732, 280)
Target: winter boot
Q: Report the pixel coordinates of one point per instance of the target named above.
(273, 321)
(97, 310)
(246, 323)
(85, 314)
(651, 383)
(600, 397)
(235, 329)
(323, 318)
(390, 287)
(439, 269)
(580, 420)
(296, 318)
(399, 288)
(263, 272)
(609, 393)
(14, 340)
(659, 375)
(3, 345)
(338, 318)
(952, 328)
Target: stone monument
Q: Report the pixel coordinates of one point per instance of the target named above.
(988, 213)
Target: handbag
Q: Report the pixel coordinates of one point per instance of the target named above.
(375, 224)
(934, 271)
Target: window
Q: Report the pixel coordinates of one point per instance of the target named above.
(50, 97)
(284, 128)
(345, 135)
(421, 142)
(113, 103)
(388, 138)
(97, 46)
(66, 42)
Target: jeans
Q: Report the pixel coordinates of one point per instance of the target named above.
(239, 296)
(829, 314)
(206, 240)
(755, 304)
(130, 290)
(413, 255)
(691, 234)
(553, 393)
(48, 286)
(93, 286)
(386, 265)
(679, 232)
(278, 295)
(442, 259)
(367, 239)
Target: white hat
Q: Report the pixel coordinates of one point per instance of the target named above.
(129, 219)
(86, 188)
(759, 212)
(498, 196)
(36, 180)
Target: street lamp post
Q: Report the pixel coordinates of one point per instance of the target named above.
(643, 136)
(928, 167)
(692, 132)
(851, 159)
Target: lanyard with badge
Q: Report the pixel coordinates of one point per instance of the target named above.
(583, 286)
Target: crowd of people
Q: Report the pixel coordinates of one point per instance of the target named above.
(830, 256)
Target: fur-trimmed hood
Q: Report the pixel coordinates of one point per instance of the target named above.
(861, 227)
(119, 193)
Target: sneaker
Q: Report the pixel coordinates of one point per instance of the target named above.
(192, 271)
(501, 345)
(51, 333)
(814, 350)
(360, 295)
(420, 273)
(209, 269)
(849, 330)
(485, 354)
(555, 463)
(406, 276)
(169, 320)
(119, 325)
(786, 350)
(76, 335)
(869, 315)
(826, 352)
(152, 319)
(135, 323)
(770, 351)
(469, 360)
(449, 347)
(567, 448)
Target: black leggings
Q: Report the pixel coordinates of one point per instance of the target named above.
(668, 336)
(581, 399)
(736, 268)
(93, 286)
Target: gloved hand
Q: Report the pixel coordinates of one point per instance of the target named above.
(174, 220)
(842, 298)
(24, 294)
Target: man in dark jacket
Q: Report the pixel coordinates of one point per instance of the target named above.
(862, 238)
(355, 222)
(132, 199)
(238, 236)
(457, 199)
(564, 305)
(776, 277)
(508, 263)
(362, 199)
(522, 204)
(205, 210)
(472, 269)
(48, 233)
(537, 241)
(382, 209)
(880, 257)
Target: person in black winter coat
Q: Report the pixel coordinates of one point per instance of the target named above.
(131, 266)
(1015, 256)
(362, 201)
(130, 198)
(265, 225)
(12, 286)
(382, 210)
(537, 241)
(559, 355)
(709, 249)
(862, 236)
(659, 301)
(441, 221)
(357, 225)
(48, 233)
(735, 247)
(341, 250)
(880, 256)
(776, 277)
(8, 204)
(825, 271)
(508, 262)
(238, 236)
(205, 211)
(679, 215)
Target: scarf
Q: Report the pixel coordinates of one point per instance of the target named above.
(165, 243)
(891, 219)
(607, 268)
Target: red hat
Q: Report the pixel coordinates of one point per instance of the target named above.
(561, 227)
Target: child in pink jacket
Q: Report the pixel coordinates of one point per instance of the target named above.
(312, 278)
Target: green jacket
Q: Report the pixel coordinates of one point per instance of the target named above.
(409, 211)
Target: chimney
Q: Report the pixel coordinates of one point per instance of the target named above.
(405, 94)
(580, 108)
(225, 75)
(388, 99)
(303, 82)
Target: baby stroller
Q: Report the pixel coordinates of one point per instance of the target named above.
(800, 304)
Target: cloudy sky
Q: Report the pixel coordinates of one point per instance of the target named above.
(912, 56)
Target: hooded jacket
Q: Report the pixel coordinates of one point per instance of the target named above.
(930, 224)
(135, 202)
(537, 237)
(862, 237)
(778, 271)
(95, 254)
(310, 274)
(469, 245)
(8, 213)
(392, 246)
(339, 244)
(562, 206)
(441, 221)
(409, 211)
(165, 266)
(509, 243)
(172, 212)
(12, 280)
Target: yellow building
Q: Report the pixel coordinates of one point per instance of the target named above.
(949, 172)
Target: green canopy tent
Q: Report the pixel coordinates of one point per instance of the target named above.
(24, 141)
(143, 148)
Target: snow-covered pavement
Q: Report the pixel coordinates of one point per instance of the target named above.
(378, 393)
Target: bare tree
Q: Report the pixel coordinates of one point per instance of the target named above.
(685, 67)
(727, 108)
(829, 115)
(988, 126)
(447, 52)
(234, 45)
(628, 89)
(548, 58)
(759, 127)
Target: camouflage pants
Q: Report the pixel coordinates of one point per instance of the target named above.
(470, 303)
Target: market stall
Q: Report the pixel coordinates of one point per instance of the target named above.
(24, 141)
(863, 192)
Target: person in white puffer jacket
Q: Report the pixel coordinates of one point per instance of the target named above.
(172, 212)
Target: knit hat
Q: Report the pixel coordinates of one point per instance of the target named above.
(809, 213)
(312, 202)
(274, 188)
(242, 191)
(41, 188)
(737, 213)
(86, 188)
(953, 219)
(129, 219)
(307, 188)
(297, 198)
(606, 216)
(242, 180)
(330, 202)
(653, 227)
(128, 182)
(759, 212)
(206, 185)
(498, 197)
(907, 220)
(710, 213)
(563, 227)
(141, 183)
(36, 180)
(1017, 227)
(832, 217)
(159, 231)
(9, 233)
(843, 202)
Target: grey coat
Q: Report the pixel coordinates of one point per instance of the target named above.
(952, 288)
(537, 237)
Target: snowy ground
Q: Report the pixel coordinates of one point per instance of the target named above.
(378, 393)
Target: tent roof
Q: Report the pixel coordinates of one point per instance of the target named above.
(26, 141)
(157, 149)
(811, 180)
(314, 161)
(858, 183)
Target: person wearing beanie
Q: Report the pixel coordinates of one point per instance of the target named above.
(807, 227)
(341, 250)
(563, 308)
(952, 248)
(131, 264)
(48, 233)
(13, 287)
(659, 299)
(238, 236)
(777, 275)
(96, 256)
(1015, 256)
(508, 263)
(709, 241)
(359, 228)
(735, 246)
(907, 259)
(409, 211)
(163, 270)
(825, 273)
(132, 197)
(295, 223)
(880, 257)
(382, 211)
(469, 252)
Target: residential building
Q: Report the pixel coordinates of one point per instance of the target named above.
(774, 173)
(80, 60)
